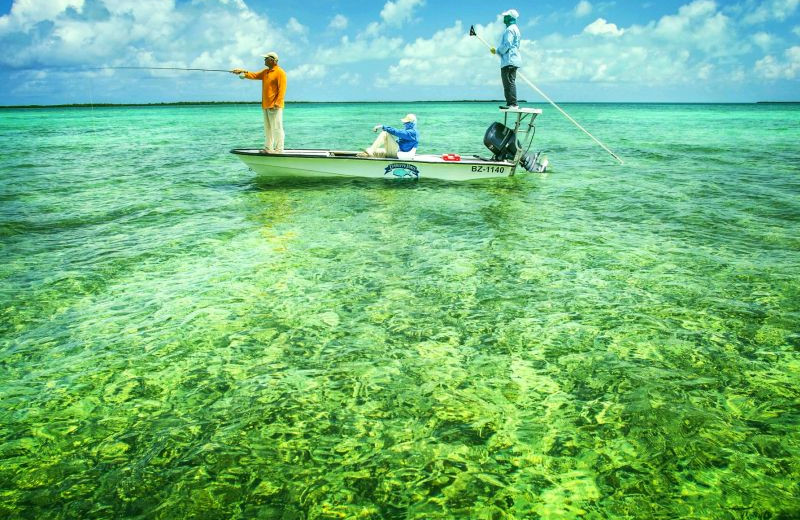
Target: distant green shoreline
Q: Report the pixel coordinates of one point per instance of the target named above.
(201, 103)
(94, 105)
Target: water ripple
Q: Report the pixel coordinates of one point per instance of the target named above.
(180, 337)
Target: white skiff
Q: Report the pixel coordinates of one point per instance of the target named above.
(509, 158)
(331, 163)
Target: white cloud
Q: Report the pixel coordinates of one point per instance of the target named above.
(703, 42)
(763, 40)
(294, 26)
(772, 10)
(370, 45)
(349, 78)
(400, 11)
(771, 68)
(705, 72)
(699, 25)
(533, 22)
(359, 49)
(447, 58)
(583, 8)
(696, 44)
(221, 33)
(308, 71)
(28, 12)
(373, 30)
(672, 25)
(602, 27)
(338, 22)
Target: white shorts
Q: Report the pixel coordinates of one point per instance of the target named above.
(407, 155)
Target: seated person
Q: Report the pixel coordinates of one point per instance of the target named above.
(385, 146)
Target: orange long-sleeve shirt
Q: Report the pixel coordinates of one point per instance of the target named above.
(273, 86)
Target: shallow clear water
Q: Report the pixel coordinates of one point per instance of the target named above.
(181, 338)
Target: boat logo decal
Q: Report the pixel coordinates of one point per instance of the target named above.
(402, 170)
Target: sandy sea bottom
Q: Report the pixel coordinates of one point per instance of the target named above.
(182, 338)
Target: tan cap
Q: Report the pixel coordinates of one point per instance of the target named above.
(410, 118)
(272, 54)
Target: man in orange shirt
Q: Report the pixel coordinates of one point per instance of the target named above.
(273, 90)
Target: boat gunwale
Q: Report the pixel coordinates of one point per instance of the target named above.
(423, 158)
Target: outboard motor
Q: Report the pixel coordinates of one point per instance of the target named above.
(503, 143)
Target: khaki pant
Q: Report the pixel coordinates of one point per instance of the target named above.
(386, 146)
(273, 130)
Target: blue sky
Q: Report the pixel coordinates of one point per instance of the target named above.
(577, 50)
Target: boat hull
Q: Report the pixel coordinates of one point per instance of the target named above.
(331, 163)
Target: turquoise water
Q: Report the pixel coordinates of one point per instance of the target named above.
(180, 338)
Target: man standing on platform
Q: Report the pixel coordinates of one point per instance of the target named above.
(510, 58)
(273, 90)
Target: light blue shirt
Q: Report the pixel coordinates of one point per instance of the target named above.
(509, 47)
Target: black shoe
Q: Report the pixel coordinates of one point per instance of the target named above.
(506, 107)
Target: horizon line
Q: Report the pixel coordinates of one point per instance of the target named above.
(179, 103)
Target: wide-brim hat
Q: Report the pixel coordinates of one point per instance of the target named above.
(271, 54)
(512, 13)
(410, 118)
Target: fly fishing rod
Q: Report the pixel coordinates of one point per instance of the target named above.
(160, 68)
(537, 89)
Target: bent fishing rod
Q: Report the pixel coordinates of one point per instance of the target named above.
(545, 96)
